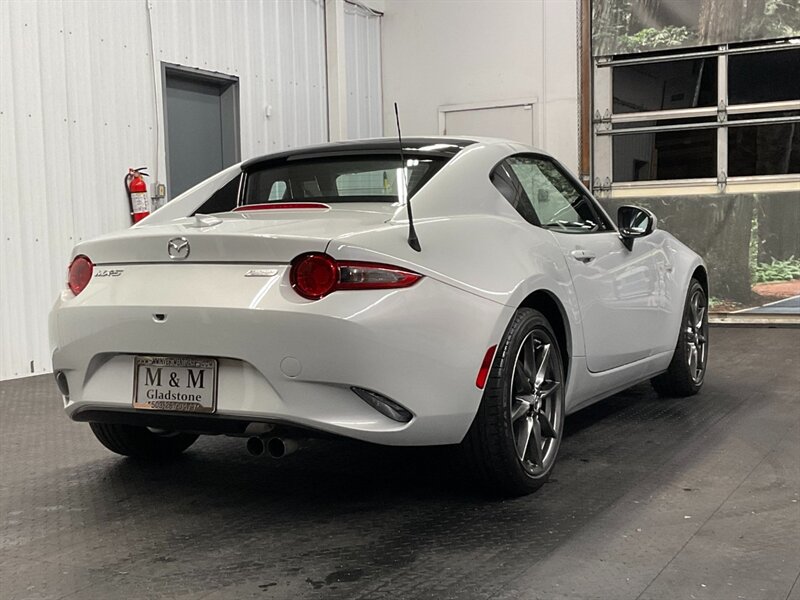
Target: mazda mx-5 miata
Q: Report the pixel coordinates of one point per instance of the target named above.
(293, 293)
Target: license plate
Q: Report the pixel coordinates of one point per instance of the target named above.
(175, 383)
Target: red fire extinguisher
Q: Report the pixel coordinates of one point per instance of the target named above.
(136, 189)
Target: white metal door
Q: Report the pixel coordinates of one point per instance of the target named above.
(619, 295)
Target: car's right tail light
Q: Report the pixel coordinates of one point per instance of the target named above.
(315, 275)
(79, 273)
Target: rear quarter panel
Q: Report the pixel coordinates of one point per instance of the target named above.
(473, 239)
(499, 259)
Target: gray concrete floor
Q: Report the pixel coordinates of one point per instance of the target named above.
(651, 498)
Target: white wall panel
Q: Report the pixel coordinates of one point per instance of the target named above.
(79, 105)
(362, 37)
(276, 48)
(441, 53)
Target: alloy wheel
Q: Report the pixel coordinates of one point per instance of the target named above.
(536, 405)
(696, 329)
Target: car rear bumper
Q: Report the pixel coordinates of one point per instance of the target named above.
(281, 359)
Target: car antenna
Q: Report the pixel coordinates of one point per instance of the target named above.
(413, 240)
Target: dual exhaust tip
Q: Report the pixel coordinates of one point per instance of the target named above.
(275, 447)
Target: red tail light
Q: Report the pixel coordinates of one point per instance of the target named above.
(374, 276)
(316, 275)
(79, 273)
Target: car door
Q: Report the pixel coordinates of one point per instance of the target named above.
(619, 292)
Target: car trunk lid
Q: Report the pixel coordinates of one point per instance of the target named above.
(253, 236)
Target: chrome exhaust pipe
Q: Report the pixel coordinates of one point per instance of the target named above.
(256, 446)
(280, 447)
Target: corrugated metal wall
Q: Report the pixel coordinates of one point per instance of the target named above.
(79, 104)
(276, 48)
(362, 29)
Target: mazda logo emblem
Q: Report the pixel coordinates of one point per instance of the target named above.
(178, 248)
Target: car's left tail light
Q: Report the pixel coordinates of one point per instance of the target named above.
(315, 275)
(79, 273)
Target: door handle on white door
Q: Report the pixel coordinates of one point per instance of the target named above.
(582, 255)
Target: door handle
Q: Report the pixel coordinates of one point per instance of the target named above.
(582, 255)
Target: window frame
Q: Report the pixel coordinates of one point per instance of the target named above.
(604, 122)
(606, 224)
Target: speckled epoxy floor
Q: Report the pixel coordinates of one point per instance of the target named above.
(667, 499)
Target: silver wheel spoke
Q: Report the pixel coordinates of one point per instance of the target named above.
(535, 445)
(521, 409)
(524, 436)
(547, 388)
(698, 317)
(542, 370)
(693, 360)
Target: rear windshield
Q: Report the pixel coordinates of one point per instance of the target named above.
(340, 179)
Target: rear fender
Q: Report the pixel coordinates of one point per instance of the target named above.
(684, 263)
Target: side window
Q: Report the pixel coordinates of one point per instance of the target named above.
(509, 185)
(557, 202)
(223, 200)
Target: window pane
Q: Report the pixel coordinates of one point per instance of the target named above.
(681, 154)
(664, 122)
(764, 149)
(509, 185)
(367, 178)
(557, 202)
(665, 85)
(277, 191)
(223, 200)
(764, 77)
(369, 183)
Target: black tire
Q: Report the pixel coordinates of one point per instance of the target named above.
(681, 378)
(141, 442)
(491, 444)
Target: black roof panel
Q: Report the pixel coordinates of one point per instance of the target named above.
(446, 147)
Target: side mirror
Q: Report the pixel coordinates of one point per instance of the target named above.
(634, 222)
